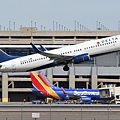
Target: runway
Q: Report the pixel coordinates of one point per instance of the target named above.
(29, 111)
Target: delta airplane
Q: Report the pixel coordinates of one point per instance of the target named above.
(63, 56)
(44, 88)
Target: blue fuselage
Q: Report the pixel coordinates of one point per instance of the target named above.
(76, 93)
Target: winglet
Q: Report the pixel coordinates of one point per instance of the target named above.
(43, 48)
(35, 48)
(63, 90)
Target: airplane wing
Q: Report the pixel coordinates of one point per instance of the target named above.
(55, 57)
(71, 96)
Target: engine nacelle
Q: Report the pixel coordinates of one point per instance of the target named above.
(85, 98)
(81, 58)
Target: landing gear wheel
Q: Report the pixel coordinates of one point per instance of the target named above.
(66, 68)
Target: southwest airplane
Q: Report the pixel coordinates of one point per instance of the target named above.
(63, 56)
(43, 87)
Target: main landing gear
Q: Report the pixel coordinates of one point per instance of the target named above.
(66, 68)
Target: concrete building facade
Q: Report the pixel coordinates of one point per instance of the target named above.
(101, 70)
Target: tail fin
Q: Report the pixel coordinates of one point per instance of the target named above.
(37, 82)
(4, 56)
(42, 86)
(44, 79)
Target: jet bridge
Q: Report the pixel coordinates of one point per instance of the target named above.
(105, 93)
(110, 91)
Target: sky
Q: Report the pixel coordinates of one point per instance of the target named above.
(60, 14)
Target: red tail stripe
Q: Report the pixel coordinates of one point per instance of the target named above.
(38, 85)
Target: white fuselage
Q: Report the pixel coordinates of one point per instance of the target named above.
(93, 47)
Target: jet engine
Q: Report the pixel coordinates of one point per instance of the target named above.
(81, 58)
(78, 59)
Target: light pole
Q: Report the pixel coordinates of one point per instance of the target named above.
(9, 25)
(14, 25)
(75, 25)
(53, 25)
(31, 31)
(56, 25)
(78, 26)
(35, 26)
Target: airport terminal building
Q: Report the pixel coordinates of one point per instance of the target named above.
(99, 71)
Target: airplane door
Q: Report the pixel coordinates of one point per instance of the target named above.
(13, 66)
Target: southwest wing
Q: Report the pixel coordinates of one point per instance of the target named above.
(71, 96)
